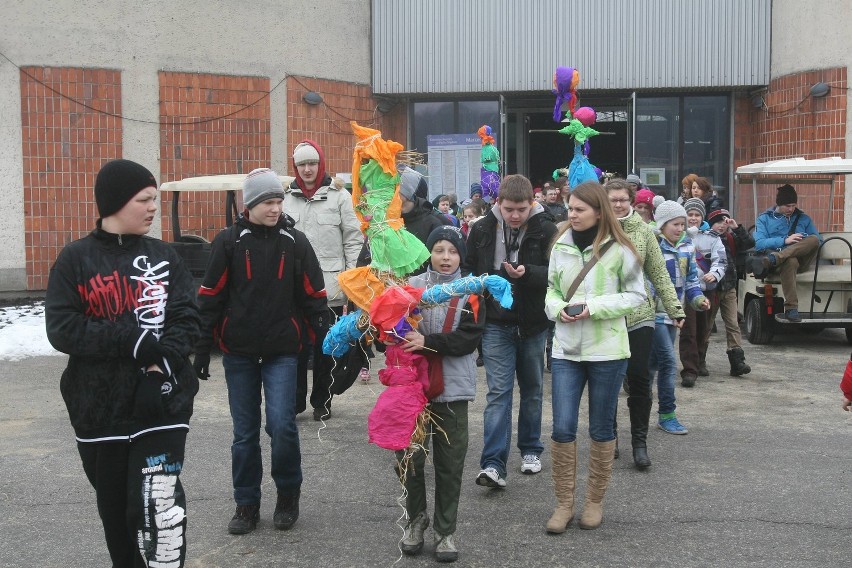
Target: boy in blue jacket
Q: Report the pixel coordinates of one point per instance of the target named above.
(793, 240)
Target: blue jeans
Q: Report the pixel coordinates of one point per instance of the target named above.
(569, 380)
(277, 377)
(663, 366)
(506, 354)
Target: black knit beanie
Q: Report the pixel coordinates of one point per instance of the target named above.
(117, 183)
(786, 195)
(447, 233)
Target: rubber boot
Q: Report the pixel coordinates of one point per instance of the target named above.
(564, 472)
(736, 357)
(600, 472)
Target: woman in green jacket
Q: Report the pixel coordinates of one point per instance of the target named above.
(640, 322)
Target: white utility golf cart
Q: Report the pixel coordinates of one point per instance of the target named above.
(825, 289)
(194, 248)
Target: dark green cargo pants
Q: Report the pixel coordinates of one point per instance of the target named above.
(448, 459)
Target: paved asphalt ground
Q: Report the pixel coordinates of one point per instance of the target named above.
(762, 479)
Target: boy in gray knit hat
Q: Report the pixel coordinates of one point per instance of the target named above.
(261, 184)
(262, 288)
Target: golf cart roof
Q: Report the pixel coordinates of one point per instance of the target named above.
(225, 182)
(798, 166)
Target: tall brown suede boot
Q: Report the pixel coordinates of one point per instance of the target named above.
(564, 471)
(600, 472)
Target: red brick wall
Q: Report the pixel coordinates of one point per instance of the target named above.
(792, 124)
(192, 145)
(64, 146)
(328, 123)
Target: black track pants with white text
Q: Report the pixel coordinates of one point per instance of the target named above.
(140, 498)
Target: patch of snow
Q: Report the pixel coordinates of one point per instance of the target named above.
(22, 333)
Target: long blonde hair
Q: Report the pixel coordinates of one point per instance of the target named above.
(594, 195)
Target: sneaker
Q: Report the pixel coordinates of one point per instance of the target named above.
(286, 511)
(702, 369)
(672, 426)
(688, 379)
(245, 519)
(490, 477)
(321, 414)
(793, 315)
(412, 540)
(480, 362)
(530, 464)
(364, 375)
(445, 548)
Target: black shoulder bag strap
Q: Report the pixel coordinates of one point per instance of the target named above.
(586, 268)
(796, 216)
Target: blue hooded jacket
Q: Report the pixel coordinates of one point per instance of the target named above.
(772, 228)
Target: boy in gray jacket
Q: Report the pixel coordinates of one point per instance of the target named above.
(448, 335)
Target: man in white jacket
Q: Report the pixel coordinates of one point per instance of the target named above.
(323, 211)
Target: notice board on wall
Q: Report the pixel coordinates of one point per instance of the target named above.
(453, 164)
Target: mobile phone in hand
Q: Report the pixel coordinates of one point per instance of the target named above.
(575, 310)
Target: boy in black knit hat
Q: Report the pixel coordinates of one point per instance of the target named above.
(122, 306)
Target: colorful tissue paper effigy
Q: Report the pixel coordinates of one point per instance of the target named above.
(579, 128)
(388, 307)
(489, 173)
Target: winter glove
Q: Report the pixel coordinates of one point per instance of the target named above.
(148, 351)
(148, 400)
(201, 364)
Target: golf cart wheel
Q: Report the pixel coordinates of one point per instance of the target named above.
(849, 335)
(759, 329)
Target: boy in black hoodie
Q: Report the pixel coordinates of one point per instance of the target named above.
(513, 240)
(122, 306)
